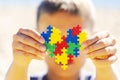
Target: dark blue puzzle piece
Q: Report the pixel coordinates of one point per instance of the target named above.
(71, 38)
(47, 34)
(49, 28)
(76, 52)
(69, 32)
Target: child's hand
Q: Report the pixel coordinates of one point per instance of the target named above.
(27, 45)
(101, 49)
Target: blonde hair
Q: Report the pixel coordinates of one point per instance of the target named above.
(84, 8)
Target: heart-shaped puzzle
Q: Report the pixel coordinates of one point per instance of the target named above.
(64, 48)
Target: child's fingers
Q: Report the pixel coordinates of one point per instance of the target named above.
(32, 34)
(105, 62)
(22, 47)
(100, 44)
(95, 38)
(108, 51)
(29, 41)
(28, 55)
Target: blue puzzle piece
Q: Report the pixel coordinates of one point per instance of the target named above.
(71, 38)
(69, 32)
(49, 28)
(76, 52)
(47, 34)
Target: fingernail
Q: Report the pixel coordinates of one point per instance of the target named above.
(43, 48)
(42, 40)
(112, 58)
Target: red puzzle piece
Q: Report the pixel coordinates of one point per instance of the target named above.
(76, 30)
(70, 60)
(59, 46)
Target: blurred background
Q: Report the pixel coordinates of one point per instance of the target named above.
(22, 13)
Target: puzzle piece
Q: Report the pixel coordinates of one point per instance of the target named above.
(51, 54)
(70, 60)
(82, 36)
(64, 67)
(60, 46)
(71, 38)
(55, 36)
(58, 59)
(76, 52)
(49, 28)
(71, 47)
(47, 34)
(63, 58)
(50, 48)
(76, 30)
(63, 43)
(64, 48)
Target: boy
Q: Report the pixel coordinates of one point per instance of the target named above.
(63, 14)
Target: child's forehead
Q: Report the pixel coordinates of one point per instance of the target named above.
(60, 18)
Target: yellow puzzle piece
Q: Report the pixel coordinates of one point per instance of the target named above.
(55, 36)
(63, 59)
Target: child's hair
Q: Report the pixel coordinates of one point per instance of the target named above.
(84, 8)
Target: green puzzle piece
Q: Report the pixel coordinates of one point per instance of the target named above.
(50, 48)
(71, 47)
(51, 54)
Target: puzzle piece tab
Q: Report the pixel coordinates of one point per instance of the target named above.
(82, 36)
(70, 60)
(76, 52)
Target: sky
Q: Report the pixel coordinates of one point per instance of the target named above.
(107, 3)
(98, 3)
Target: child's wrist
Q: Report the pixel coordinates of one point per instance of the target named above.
(102, 63)
(102, 66)
(20, 64)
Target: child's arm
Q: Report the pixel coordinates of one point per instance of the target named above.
(106, 73)
(27, 45)
(17, 72)
(100, 48)
(104, 69)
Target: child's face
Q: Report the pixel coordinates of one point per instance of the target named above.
(62, 21)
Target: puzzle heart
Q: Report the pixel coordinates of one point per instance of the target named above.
(64, 48)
